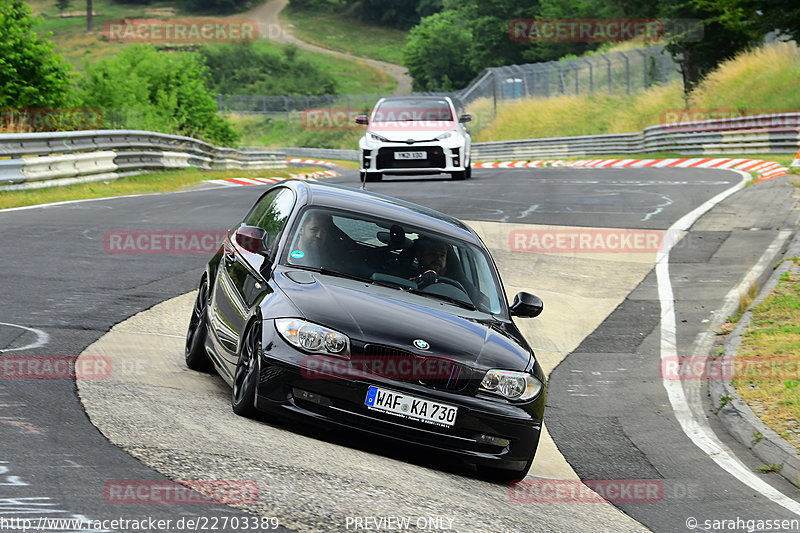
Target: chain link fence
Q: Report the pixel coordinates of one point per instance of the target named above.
(614, 73)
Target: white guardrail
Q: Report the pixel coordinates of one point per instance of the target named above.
(31, 160)
(44, 159)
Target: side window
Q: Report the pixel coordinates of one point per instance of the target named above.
(275, 215)
(261, 207)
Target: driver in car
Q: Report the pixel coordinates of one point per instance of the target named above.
(313, 240)
(429, 262)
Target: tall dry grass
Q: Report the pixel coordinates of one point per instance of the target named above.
(766, 79)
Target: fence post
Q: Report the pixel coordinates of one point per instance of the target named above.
(547, 66)
(644, 67)
(608, 64)
(591, 79)
(494, 91)
(627, 73)
(575, 64)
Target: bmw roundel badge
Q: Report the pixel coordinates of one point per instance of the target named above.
(421, 344)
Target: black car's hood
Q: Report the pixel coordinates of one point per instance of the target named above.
(393, 317)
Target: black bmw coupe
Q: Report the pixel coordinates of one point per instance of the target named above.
(370, 313)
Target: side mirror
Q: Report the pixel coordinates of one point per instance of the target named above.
(361, 119)
(251, 238)
(526, 305)
(466, 117)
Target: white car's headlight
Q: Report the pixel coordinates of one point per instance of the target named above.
(446, 135)
(512, 385)
(376, 137)
(312, 337)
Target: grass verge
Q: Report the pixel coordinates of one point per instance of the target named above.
(769, 358)
(336, 31)
(764, 80)
(154, 182)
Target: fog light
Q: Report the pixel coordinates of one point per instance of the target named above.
(494, 441)
(311, 397)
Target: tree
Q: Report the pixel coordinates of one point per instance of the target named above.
(699, 53)
(63, 5)
(439, 53)
(756, 17)
(141, 88)
(31, 74)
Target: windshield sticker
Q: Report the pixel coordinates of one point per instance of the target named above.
(297, 254)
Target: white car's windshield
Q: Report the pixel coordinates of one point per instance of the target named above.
(387, 253)
(422, 110)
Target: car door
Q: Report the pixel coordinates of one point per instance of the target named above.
(240, 284)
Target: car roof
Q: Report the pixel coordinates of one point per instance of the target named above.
(320, 194)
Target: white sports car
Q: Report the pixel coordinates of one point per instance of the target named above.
(411, 135)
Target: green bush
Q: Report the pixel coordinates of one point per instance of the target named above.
(159, 91)
(31, 74)
(245, 68)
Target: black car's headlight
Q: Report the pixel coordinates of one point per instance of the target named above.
(312, 337)
(512, 385)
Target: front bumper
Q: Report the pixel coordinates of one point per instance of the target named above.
(439, 157)
(488, 431)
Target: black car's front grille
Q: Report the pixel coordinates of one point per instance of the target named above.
(434, 372)
(434, 158)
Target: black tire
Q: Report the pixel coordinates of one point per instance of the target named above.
(373, 176)
(245, 378)
(195, 352)
(468, 171)
(460, 175)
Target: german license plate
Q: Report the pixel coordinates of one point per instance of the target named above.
(407, 406)
(410, 155)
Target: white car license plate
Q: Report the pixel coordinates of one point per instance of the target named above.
(406, 406)
(410, 155)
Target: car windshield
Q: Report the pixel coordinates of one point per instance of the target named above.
(386, 253)
(422, 110)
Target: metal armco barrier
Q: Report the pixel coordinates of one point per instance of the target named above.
(322, 153)
(760, 134)
(46, 159)
(29, 160)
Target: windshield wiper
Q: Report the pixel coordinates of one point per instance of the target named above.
(448, 299)
(336, 273)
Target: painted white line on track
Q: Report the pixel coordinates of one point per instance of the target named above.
(696, 429)
(42, 338)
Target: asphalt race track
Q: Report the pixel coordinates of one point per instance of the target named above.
(609, 411)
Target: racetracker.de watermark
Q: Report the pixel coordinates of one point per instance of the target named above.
(55, 367)
(180, 492)
(586, 491)
(51, 118)
(330, 119)
(400, 368)
(584, 240)
(685, 120)
(163, 242)
(604, 30)
(725, 368)
(181, 30)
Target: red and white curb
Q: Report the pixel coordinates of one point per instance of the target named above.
(311, 162)
(765, 169)
(238, 182)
